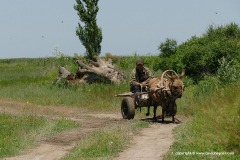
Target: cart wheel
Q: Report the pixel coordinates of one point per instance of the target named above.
(128, 108)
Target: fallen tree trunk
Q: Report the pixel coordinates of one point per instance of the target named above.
(99, 71)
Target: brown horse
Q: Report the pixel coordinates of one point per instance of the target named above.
(164, 92)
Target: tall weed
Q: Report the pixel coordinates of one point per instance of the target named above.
(208, 85)
(226, 72)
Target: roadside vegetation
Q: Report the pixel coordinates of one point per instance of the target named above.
(213, 126)
(19, 132)
(106, 143)
(210, 100)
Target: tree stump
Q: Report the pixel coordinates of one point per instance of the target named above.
(94, 72)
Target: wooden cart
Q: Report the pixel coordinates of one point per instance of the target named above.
(132, 101)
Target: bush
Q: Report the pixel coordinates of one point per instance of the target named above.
(226, 72)
(208, 85)
(200, 55)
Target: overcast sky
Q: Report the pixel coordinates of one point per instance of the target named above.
(33, 28)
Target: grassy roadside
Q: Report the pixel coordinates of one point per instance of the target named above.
(214, 126)
(106, 143)
(19, 132)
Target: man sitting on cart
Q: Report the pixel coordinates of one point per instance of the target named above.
(140, 77)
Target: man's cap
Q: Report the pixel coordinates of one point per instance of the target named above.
(139, 61)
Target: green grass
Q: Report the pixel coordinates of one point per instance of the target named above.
(214, 126)
(106, 143)
(34, 84)
(95, 97)
(19, 132)
(15, 131)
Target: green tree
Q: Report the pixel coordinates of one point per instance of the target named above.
(88, 32)
(167, 48)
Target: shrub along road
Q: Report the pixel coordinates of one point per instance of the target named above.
(151, 143)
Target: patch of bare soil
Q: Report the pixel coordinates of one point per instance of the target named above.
(152, 143)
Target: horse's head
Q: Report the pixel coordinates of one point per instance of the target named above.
(176, 85)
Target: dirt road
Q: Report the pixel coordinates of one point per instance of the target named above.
(152, 143)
